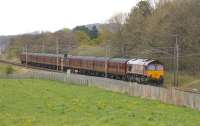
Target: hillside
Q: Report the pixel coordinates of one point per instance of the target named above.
(51, 103)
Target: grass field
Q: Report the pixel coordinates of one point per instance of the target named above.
(87, 50)
(50, 103)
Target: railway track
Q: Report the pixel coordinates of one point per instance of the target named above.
(28, 67)
(50, 70)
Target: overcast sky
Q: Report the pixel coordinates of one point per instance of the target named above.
(21, 16)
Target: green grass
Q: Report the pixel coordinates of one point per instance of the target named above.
(50, 103)
(4, 68)
(87, 50)
(185, 80)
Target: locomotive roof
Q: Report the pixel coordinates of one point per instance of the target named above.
(45, 54)
(141, 61)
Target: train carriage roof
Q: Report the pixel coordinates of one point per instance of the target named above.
(119, 60)
(45, 54)
(102, 59)
(142, 61)
(82, 57)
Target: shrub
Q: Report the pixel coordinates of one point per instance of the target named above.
(9, 70)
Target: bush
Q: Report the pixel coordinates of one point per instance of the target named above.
(9, 70)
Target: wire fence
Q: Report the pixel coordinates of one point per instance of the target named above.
(170, 96)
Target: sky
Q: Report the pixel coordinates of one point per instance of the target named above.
(22, 16)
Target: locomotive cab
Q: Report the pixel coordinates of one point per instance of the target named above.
(155, 72)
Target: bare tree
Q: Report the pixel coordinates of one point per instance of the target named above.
(117, 40)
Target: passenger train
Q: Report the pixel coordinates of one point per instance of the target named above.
(146, 71)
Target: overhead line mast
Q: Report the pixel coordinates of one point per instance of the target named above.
(177, 61)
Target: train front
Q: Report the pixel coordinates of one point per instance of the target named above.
(155, 72)
(145, 71)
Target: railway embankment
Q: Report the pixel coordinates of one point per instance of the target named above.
(170, 96)
(36, 102)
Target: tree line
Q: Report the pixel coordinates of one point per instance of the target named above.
(152, 31)
(45, 42)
